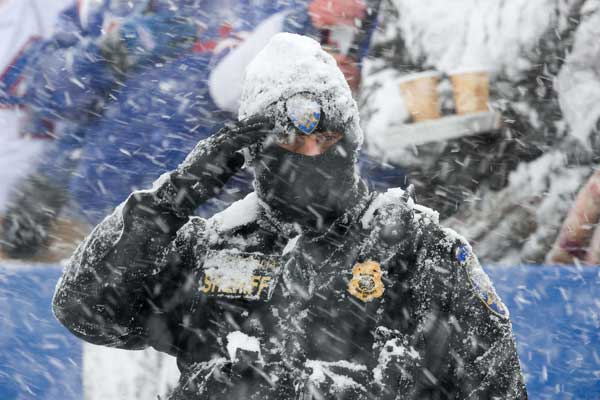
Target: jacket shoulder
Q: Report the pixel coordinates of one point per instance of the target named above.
(238, 215)
(395, 203)
(398, 221)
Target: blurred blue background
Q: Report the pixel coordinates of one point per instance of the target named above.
(556, 320)
(39, 359)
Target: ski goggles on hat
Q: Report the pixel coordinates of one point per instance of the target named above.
(304, 113)
(300, 114)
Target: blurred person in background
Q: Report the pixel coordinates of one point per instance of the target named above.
(21, 22)
(507, 190)
(134, 85)
(67, 82)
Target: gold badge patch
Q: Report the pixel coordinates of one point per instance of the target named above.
(366, 283)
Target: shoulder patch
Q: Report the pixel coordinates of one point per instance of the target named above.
(480, 282)
(462, 254)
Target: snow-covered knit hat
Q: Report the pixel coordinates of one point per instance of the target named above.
(291, 64)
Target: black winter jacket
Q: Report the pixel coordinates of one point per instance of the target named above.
(387, 304)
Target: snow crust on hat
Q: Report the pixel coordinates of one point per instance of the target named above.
(291, 64)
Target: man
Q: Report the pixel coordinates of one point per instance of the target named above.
(136, 85)
(310, 287)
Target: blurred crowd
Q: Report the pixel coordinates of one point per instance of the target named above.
(490, 109)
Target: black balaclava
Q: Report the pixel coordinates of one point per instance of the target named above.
(312, 191)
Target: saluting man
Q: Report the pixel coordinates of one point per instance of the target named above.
(311, 286)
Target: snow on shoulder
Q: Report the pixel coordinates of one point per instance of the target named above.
(292, 64)
(396, 196)
(240, 213)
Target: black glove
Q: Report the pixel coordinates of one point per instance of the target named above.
(200, 176)
(32, 210)
(216, 159)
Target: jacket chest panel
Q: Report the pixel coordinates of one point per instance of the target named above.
(339, 305)
(329, 325)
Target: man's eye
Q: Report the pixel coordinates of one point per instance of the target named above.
(326, 138)
(331, 138)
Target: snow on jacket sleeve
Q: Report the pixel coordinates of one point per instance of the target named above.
(578, 83)
(484, 349)
(124, 285)
(471, 351)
